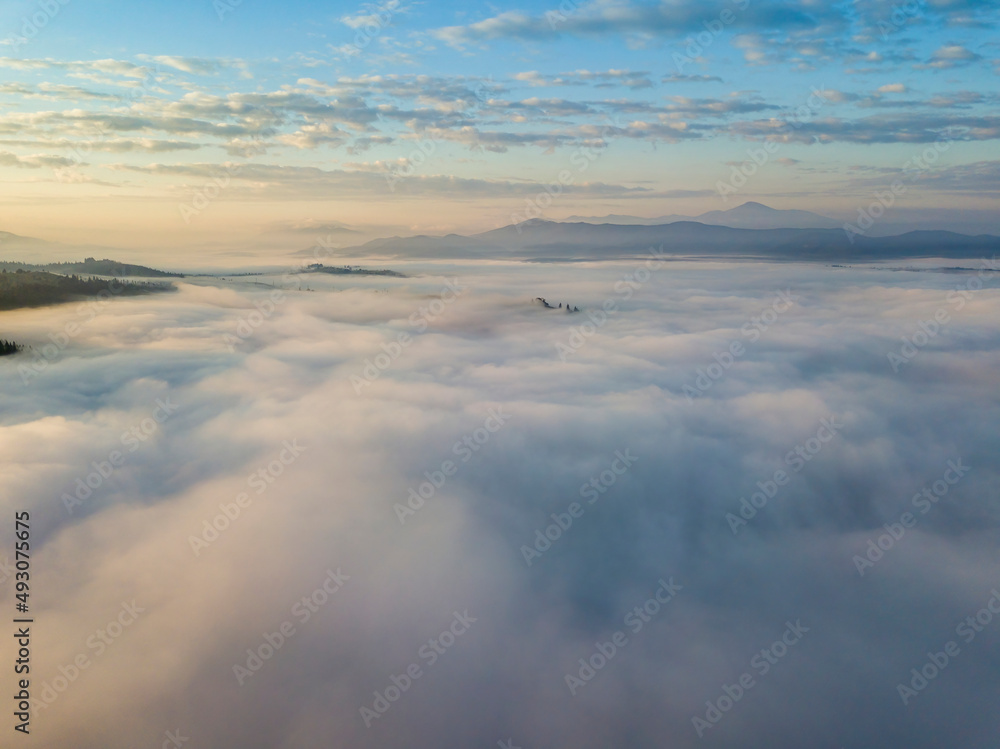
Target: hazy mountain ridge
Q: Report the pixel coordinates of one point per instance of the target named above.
(538, 239)
(750, 215)
(753, 215)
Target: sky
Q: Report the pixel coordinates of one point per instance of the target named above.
(229, 124)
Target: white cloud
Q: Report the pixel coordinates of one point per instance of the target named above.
(333, 507)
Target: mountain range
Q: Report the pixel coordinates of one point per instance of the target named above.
(759, 216)
(747, 216)
(759, 232)
(541, 240)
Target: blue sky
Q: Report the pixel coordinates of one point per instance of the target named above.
(440, 117)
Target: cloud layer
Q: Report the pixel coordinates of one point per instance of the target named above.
(256, 375)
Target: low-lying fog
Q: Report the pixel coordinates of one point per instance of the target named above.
(399, 512)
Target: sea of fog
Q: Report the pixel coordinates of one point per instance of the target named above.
(724, 504)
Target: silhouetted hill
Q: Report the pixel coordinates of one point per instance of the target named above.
(351, 270)
(37, 288)
(95, 267)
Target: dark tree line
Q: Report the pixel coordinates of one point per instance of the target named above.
(37, 288)
(9, 347)
(90, 265)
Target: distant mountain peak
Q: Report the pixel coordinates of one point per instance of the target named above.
(748, 215)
